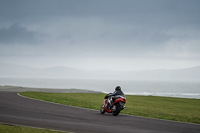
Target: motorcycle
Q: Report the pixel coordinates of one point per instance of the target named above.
(116, 107)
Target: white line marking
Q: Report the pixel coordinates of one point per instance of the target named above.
(56, 103)
(99, 109)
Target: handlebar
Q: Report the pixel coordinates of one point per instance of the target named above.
(107, 95)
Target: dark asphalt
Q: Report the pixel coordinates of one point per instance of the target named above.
(22, 111)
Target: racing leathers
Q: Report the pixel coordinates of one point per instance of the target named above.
(115, 95)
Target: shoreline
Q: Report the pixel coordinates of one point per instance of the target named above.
(73, 90)
(53, 90)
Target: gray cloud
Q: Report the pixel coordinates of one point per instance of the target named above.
(16, 34)
(153, 11)
(142, 29)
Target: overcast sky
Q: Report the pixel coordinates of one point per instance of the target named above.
(101, 34)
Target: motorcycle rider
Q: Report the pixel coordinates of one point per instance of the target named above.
(115, 95)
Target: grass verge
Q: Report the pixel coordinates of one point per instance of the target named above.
(177, 109)
(20, 129)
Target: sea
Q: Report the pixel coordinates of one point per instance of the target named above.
(181, 89)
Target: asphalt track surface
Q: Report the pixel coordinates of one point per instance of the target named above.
(18, 110)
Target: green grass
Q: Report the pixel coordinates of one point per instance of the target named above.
(20, 129)
(177, 109)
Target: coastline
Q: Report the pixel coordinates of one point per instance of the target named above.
(53, 90)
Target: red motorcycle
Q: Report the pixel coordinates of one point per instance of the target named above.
(117, 106)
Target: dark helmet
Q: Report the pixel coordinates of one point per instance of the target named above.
(117, 88)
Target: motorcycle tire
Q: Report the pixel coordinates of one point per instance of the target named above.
(118, 109)
(102, 111)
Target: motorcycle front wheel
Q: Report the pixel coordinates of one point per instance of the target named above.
(102, 111)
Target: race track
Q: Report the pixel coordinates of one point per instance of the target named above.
(18, 110)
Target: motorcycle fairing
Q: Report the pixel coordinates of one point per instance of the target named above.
(105, 107)
(120, 99)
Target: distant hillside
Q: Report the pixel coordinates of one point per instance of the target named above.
(12, 70)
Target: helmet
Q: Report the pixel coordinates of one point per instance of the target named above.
(117, 88)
